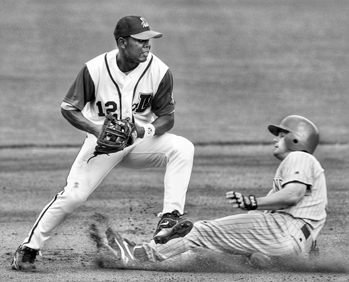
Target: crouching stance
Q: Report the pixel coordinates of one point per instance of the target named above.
(123, 100)
(284, 223)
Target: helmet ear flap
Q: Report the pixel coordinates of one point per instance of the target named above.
(292, 142)
(295, 141)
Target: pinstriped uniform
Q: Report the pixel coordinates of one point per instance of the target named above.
(303, 167)
(284, 232)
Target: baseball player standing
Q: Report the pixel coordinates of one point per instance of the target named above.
(284, 223)
(128, 82)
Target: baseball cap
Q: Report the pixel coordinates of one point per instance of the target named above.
(136, 27)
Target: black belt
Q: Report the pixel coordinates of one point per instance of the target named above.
(305, 231)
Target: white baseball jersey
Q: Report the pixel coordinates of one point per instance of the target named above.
(142, 95)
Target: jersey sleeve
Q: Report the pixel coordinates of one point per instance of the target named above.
(299, 167)
(82, 90)
(163, 102)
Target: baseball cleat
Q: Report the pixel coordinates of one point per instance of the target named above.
(122, 249)
(24, 259)
(167, 230)
(97, 237)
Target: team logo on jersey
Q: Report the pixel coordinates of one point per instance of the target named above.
(144, 23)
(277, 184)
(144, 101)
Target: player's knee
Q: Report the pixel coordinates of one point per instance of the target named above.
(73, 198)
(197, 231)
(184, 148)
(199, 224)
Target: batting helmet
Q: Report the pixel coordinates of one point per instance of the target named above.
(303, 135)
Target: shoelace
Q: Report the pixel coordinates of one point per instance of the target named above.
(171, 217)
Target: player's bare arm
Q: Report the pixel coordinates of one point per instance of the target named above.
(290, 195)
(76, 118)
(161, 125)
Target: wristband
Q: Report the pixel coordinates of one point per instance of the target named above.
(149, 130)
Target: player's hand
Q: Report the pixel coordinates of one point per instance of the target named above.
(237, 200)
(234, 199)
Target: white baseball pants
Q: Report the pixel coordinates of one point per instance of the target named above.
(168, 150)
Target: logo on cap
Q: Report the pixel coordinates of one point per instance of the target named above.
(136, 27)
(144, 22)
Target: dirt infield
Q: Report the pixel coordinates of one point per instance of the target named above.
(31, 177)
(237, 66)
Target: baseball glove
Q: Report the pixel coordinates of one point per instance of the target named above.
(115, 135)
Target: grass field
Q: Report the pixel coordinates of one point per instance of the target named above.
(238, 66)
